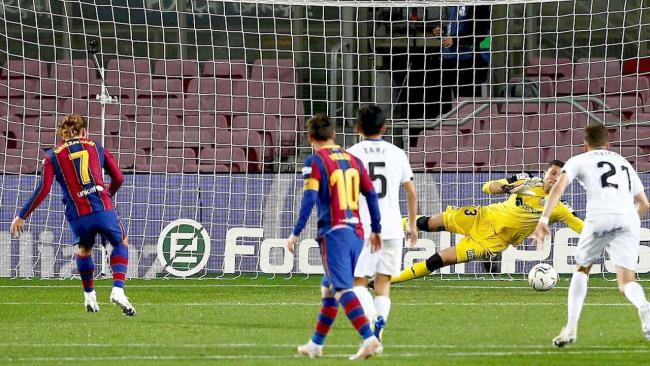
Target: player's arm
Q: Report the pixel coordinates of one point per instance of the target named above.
(37, 197)
(113, 170)
(311, 176)
(412, 207)
(642, 205)
(568, 217)
(638, 191)
(542, 229)
(368, 190)
(517, 184)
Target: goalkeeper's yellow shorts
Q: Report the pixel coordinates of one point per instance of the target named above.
(480, 241)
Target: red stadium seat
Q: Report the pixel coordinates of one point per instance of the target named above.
(173, 161)
(213, 160)
(24, 69)
(176, 69)
(550, 66)
(282, 70)
(227, 69)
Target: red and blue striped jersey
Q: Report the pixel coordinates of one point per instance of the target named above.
(77, 166)
(338, 178)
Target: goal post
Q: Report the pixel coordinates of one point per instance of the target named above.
(212, 98)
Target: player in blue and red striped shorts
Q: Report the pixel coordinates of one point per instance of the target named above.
(77, 165)
(333, 181)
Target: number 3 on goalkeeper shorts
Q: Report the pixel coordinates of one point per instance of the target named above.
(347, 188)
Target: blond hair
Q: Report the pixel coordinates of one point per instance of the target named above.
(71, 125)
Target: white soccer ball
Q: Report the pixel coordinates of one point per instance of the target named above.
(542, 277)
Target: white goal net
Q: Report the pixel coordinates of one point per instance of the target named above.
(203, 103)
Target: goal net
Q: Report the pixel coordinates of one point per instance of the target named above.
(203, 103)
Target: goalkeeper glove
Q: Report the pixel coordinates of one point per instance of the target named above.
(523, 188)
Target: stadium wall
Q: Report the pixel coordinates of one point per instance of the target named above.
(246, 218)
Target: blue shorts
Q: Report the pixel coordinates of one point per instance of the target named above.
(106, 223)
(340, 249)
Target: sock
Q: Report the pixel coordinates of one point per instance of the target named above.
(354, 311)
(86, 268)
(328, 312)
(366, 302)
(577, 293)
(422, 223)
(634, 293)
(119, 263)
(417, 270)
(382, 304)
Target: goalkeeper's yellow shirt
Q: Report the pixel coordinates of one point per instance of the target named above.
(516, 218)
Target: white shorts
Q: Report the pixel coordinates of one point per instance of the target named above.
(616, 234)
(387, 261)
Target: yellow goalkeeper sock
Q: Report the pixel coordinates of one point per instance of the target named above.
(415, 271)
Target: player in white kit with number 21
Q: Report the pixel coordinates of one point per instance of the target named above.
(389, 168)
(616, 203)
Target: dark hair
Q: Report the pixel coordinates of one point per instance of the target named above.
(595, 135)
(320, 127)
(558, 163)
(370, 120)
(71, 125)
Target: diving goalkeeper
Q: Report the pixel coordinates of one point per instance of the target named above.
(489, 230)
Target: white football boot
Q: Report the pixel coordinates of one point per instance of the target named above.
(565, 337)
(311, 350)
(644, 315)
(368, 348)
(90, 302)
(119, 298)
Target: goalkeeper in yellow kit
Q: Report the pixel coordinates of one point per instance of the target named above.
(488, 230)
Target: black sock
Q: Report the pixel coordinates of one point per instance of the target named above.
(422, 223)
(434, 262)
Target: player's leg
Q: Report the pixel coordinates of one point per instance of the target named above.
(634, 293)
(328, 312)
(575, 301)
(342, 248)
(85, 264)
(433, 223)
(86, 267)
(589, 250)
(112, 228)
(365, 268)
(623, 250)
(441, 259)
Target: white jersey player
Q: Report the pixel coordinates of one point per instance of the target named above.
(616, 202)
(389, 168)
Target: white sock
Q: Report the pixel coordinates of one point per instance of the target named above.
(382, 304)
(634, 292)
(577, 293)
(366, 302)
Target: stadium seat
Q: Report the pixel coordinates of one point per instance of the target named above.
(21, 161)
(266, 126)
(550, 66)
(212, 160)
(24, 69)
(174, 69)
(126, 157)
(128, 72)
(227, 69)
(281, 70)
(173, 160)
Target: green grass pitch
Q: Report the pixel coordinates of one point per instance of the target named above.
(261, 321)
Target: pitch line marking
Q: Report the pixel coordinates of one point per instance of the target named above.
(550, 352)
(10, 303)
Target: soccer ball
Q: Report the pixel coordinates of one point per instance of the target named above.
(542, 277)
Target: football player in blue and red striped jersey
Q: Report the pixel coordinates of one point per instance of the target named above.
(77, 164)
(333, 181)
